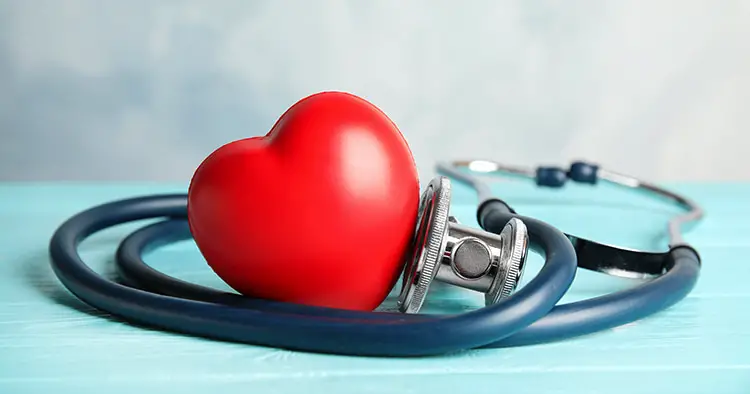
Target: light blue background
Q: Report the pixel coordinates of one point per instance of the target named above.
(120, 90)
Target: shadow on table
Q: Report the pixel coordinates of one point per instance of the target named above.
(39, 275)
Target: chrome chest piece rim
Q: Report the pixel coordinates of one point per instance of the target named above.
(428, 245)
(514, 250)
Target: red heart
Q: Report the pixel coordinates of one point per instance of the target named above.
(320, 211)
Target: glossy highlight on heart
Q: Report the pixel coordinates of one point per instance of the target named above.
(319, 211)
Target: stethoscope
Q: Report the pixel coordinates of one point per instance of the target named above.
(490, 260)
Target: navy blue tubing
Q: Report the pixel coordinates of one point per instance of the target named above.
(299, 327)
(604, 312)
(563, 321)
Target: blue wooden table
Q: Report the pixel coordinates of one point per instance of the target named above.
(52, 343)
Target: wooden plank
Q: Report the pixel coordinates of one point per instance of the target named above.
(51, 342)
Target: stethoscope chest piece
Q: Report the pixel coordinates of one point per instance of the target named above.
(471, 258)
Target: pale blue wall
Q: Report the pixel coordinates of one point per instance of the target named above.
(145, 89)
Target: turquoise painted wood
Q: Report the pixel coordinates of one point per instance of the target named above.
(52, 343)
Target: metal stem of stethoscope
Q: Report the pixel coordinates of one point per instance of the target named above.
(592, 255)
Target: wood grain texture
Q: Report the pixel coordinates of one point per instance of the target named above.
(50, 342)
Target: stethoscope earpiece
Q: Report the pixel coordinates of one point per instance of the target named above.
(467, 257)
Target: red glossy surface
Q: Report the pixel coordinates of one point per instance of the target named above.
(320, 211)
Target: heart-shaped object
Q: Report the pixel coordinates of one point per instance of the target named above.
(320, 211)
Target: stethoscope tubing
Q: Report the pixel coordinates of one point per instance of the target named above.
(608, 311)
(562, 322)
(528, 317)
(298, 327)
